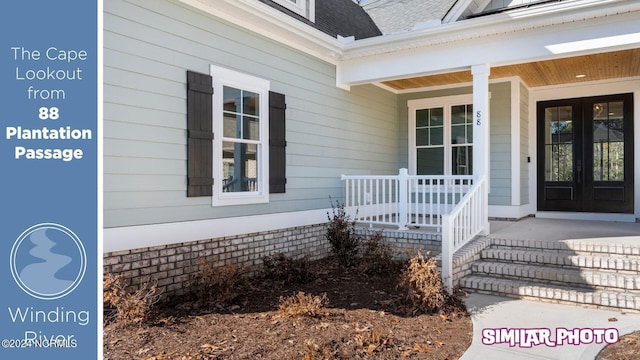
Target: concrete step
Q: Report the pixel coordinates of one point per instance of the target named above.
(596, 278)
(627, 299)
(563, 258)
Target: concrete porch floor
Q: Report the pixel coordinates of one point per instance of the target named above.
(557, 229)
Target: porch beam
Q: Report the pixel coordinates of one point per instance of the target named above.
(481, 125)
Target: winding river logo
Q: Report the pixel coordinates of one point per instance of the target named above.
(48, 261)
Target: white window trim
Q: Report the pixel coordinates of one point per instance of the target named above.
(304, 8)
(225, 77)
(446, 103)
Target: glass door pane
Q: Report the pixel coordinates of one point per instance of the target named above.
(608, 141)
(558, 143)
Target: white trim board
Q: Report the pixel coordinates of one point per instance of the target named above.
(143, 236)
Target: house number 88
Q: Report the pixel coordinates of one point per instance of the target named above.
(478, 118)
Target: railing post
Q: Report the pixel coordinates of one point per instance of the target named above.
(403, 202)
(447, 253)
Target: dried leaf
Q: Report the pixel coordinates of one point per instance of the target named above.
(421, 348)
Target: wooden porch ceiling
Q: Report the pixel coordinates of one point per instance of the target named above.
(603, 66)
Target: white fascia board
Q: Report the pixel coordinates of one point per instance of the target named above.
(266, 21)
(503, 47)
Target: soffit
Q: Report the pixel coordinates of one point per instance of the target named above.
(602, 66)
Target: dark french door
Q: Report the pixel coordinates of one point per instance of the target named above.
(585, 154)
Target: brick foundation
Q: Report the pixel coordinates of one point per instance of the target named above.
(173, 265)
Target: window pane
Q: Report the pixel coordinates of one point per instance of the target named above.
(232, 99)
(436, 118)
(608, 141)
(559, 160)
(459, 134)
(422, 137)
(460, 114)
(558, 143)
(461, 161)
(251, 128)
(230, 126)
(250, 103)
(240, 167)
(430, 161)
(436, 136)
(422, 118)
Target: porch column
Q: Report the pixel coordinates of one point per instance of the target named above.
(480, 74)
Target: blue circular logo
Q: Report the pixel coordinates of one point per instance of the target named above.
(48, 261)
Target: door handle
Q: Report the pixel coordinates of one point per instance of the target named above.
(579, 171)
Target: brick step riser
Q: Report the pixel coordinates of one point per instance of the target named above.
(570, 246)
(565, 251)
(613, 299)
(595, 279)
(580, 261)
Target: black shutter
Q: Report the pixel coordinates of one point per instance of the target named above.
(277, 143)
(199, 134)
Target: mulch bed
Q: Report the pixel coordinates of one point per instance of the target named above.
(627, 348)
(365, 318)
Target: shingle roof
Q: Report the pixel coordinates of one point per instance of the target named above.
(338, 17)
(393, 16)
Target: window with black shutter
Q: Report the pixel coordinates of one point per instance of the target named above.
(199, 134)
(277, 143)
(233, 167)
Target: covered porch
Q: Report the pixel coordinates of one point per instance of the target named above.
(500, 69)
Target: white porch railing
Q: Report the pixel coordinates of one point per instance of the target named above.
(403, 200)
(468, 219)
(455, 205)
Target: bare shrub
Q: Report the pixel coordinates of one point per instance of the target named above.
(423, 285)
(301, 304)
(124, 307)
(280, 267)
(214, 284)
(342, 235)
(377, 256)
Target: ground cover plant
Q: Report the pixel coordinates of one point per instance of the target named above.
(338, 312)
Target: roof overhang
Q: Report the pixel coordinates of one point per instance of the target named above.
(564, 29)
(552, 31)
(266, 21)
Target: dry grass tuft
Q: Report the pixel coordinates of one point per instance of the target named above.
(126, 308)
(317, 352)
(423, 285)
(374, 341)
(303, 305)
